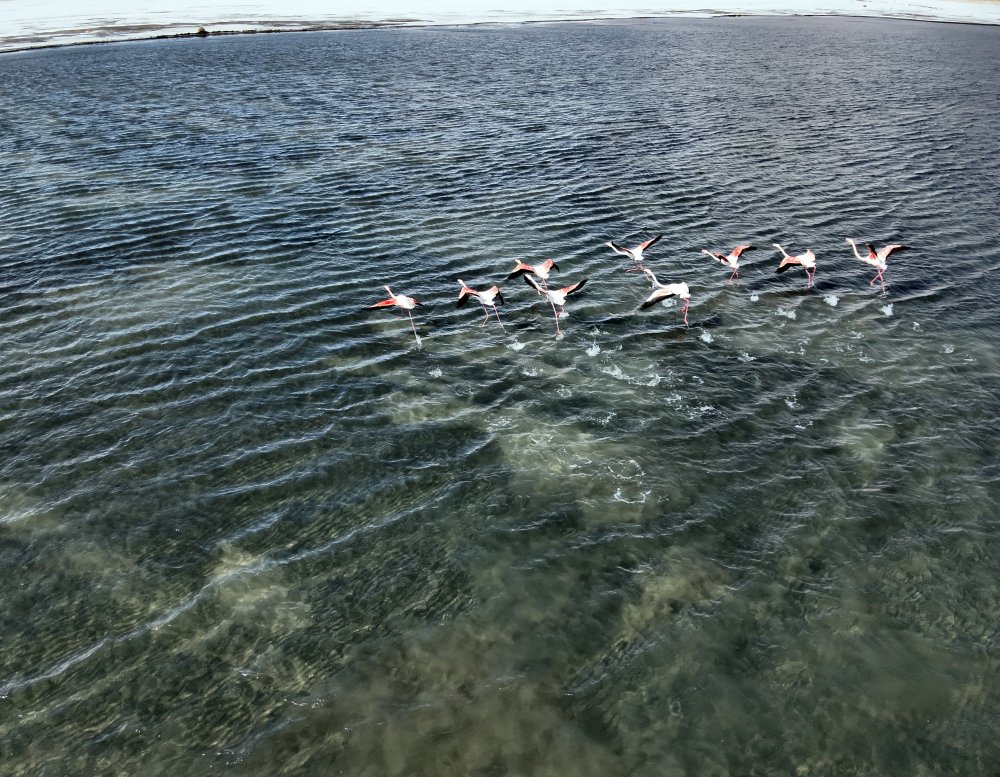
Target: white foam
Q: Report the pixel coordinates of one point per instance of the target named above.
(436, 372)
(745, 357)
(594, 349)
(754, 297)
(787, 313)
(916, 326)
(516, 345)
(948, 348)
(707, 337)
(887, 309)
(831, 300)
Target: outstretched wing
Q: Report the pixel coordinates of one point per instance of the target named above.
(383, 304)
(567, 290)
(648, 243)
(895, 248)
(463, 297)
(519, 269)
(657, 296)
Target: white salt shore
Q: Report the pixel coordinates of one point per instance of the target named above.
(65, 22)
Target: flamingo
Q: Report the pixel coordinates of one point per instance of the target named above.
(635, 254)
(488, 297)
(402, 301)
(732, 259)
(541, 270)
(807, 260)
(877, 258)
(662, 291)
(555, 296)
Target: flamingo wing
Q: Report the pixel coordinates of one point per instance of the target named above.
(463, 297)
(884, 253)
(567, 290)
(519, 270)
(532, 283)
(740, 249)
(657, 296)
(648, 243)
(383, 304)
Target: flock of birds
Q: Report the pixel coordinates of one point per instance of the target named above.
(537, 276)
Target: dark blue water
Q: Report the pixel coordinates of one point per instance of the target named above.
(248, 528)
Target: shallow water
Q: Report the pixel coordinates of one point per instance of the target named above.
(250, 529)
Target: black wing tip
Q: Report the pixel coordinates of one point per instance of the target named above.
(501, 299)
(783, 267)
(555, 267)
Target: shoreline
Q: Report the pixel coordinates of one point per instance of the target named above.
(352, 26)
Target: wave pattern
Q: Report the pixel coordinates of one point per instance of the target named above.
(246, 524)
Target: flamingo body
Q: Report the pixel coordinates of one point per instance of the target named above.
(806, 260)
(634, 253)
(400, 301)
(876, 259)
(555, 296)
(662, 291)
(732, 259)
(542, 270)
(487, 298)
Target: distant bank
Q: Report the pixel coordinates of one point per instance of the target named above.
(61, 22)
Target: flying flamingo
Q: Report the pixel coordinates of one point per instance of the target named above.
(487, 298)
(555, 296)
(635, 254)
(877, 258)
(541, 270)
(807, 260)
(400, 300)
(732, 259)
(662, 291)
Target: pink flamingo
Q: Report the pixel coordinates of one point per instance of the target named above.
(555, 296)
(662, 291)
(541, 270)
(806, 260)
(487, 298)
(877, 258)
(402, 301)
(732, 259)
(635, 254)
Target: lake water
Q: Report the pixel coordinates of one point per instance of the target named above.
(248, 528)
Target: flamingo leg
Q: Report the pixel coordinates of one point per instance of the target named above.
(486, 317)
(735, 274)
(498, 318)
(413, 327)
(556, 314)
(684, 310)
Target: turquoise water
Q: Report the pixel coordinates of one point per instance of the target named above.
(249, 528)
